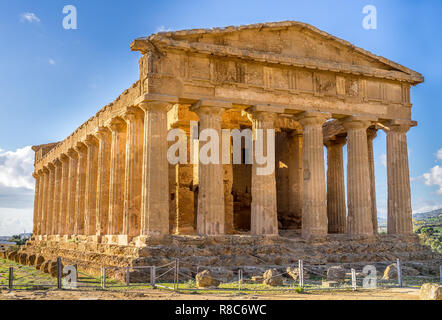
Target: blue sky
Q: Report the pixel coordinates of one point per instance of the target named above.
(52, 79)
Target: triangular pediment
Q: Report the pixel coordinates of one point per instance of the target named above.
(288, 42)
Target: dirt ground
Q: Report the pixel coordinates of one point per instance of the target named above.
(378, 294)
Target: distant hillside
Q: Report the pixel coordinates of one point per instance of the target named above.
(427, 215)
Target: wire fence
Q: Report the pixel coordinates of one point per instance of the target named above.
(179, 275)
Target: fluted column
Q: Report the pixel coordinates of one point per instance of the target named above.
(51, 189)
(103, 178)
(37, 199)
(211, 213)
(264, 216)
(371, 134)
(314, 209)
(359, 220)
(117, 171)
(80, 193)
(399, 197)
(41, 197)
(44, 208)
(295, 177)
(64, 204)
(72, 192)
(57, 198)
(91, 185)
(336, 210)
(134, 166)
(155, 180)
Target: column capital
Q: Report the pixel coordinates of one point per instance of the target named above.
(337, 140)
(212, 107)
(72, 153)
(307, 118)
(116, 124)
(80, 147)
(398, 125)
(56, 162)
(102, 133)
(358, 122)
(155, 106)
(132, 113)
(51, 166)
(64, 157)
(45, 169)
(90, 140)
(35, 175)
(372, 133)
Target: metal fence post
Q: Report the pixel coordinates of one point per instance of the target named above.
(103, 278)
(353, 279)
(177, 273)
(301, 273)
(11, 278)
(127, 277)
(152, 277)
(59, 274)
(239, 279)
(399, 272)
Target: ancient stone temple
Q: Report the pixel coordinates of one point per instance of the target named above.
(108, 195)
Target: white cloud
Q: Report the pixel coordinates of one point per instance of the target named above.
(439, 154)
(15, 221)
(434, 178)
(163, 29)
(29, 17)
(383, 159)
(52, 61)
(16, 168)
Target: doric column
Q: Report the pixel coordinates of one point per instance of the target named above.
(336, 210)
(44, 207)
(371, 134)
(134, 166)
(72, 192)
(359, 221)
(116, 181)
(295, 177)
(264, 216)
(64, 204)
(50, 197)
(37, 199)
(185, 202)
(399, 198)
(80, 193)
(104, 151)
(211, 213)
(155, 180)
(41, 201)
(57, 198)
(314, 209)
(91, 185)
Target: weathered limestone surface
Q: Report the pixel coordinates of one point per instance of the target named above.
(107, 195)
(336, 210)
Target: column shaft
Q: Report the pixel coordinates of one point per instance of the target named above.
(64, 204)
(50, 210)
(80, 193)
(72, 195)
(314, 209)
(336, 209)
(359, 220)
(133, 177)
(37, 199)
(398, 176)
(295, 178)
(103, 178)
(155, 179)
(91, 186)
(371, 134)
(57, 198)
(264, 216)
(211, 210)
(116, 181)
